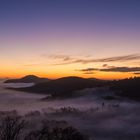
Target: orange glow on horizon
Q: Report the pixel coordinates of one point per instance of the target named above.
(57, 71)
(99, 75)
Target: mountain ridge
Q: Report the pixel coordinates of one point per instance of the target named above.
(28, 79)
(65, 86)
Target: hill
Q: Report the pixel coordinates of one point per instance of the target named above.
(64, 87)
(28, 79)
(128, 88)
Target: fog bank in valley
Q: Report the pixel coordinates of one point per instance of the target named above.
(94, 116)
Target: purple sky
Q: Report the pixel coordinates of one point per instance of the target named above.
(32, 29)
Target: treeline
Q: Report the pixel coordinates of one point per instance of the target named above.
(15, 127)
(128, 88)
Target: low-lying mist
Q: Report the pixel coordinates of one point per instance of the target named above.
(92, 114)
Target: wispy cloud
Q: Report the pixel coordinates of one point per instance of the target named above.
(65, 59)
(113, 69)
(62, 57)
(136, 73)
(121, 69)
(88, 70)
(120, 58)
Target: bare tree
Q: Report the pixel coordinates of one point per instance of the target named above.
(42, 134)
(11, 127)
(57, 133)
(68, 133)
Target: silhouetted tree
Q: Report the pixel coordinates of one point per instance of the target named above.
(43, 134)
(70, 133)
(57, 133)
(11, 127)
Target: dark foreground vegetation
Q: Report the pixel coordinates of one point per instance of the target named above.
(15, 127)
(129, 88)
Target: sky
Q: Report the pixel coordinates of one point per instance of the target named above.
(57, 38)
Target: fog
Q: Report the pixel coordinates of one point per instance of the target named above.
(96, 117)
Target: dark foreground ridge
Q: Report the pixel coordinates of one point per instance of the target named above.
(128, 88)
(28, 79)
(68, 87)
(64, 87)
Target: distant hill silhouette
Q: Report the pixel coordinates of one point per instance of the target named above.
(128, 88)
(64, 87)
(28, 79)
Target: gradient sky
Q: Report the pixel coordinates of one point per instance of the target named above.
(55, 38)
